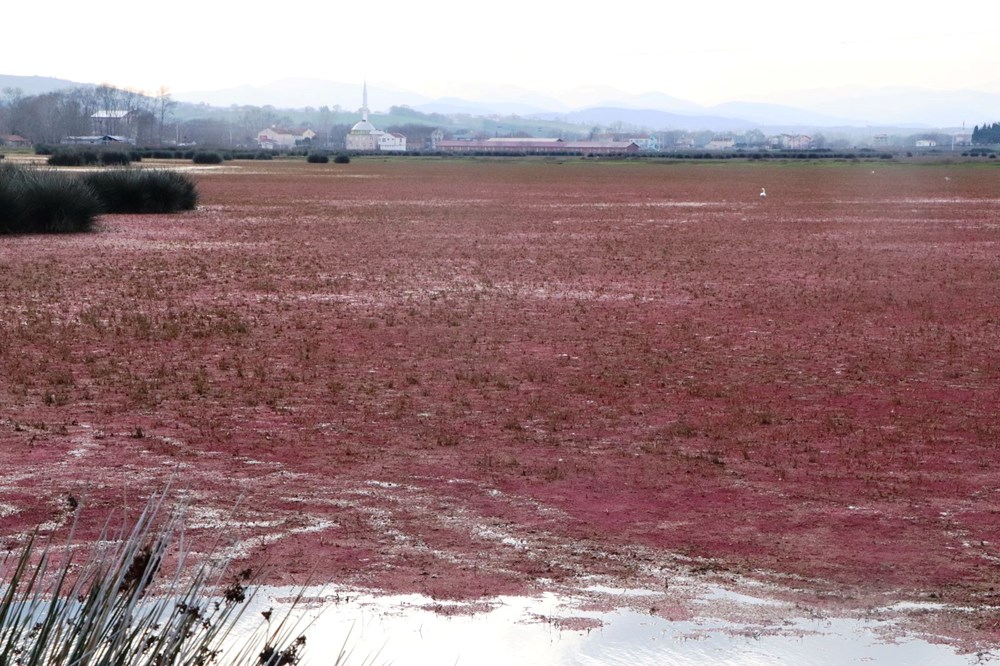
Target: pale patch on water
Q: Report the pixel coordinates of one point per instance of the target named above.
(382, 484)
(920, 201)
(381, 298)
(244, 547)
(547, 293)
(575, 629)
(85, 444)
(601, 205)
(210, 518)
(499, 536)
(208, 168)
(173, 244)
(943, 200)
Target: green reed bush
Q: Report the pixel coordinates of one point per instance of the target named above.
(37, 201)
(203, 157)
(65, 158)
(115, 158)
(8, 197)
(143, 190)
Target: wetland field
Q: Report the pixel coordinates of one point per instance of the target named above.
(471, 378)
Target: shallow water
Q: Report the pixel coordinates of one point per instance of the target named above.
(572, 630)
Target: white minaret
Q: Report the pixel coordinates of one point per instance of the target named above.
(364, 103)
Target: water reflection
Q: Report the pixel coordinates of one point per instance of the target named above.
(570, 630)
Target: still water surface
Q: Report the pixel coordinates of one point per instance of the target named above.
(571, 630)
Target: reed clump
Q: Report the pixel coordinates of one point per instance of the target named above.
(36, 201)
(118, 604)
(139, 191)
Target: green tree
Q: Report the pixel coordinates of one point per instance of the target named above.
(987, 134)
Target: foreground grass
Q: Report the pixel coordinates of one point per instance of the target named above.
(118, 606)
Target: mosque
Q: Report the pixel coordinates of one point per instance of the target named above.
(364, 137)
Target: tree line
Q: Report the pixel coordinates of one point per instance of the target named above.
(987, 134)
(50, 117)
(155, 120)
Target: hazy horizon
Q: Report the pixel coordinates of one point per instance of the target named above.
(769, 52)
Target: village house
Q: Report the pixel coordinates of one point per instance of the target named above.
(435, 138)
(790, 142)
(94, 140)
(274, 138)
(721, 144)
(392, 142)
(14, 141)
(121, 124)
(647, 142)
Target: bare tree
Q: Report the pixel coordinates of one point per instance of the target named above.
(46, 118)
(8, 99)
(164, 108)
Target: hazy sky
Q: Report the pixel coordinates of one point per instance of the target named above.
(703, 51)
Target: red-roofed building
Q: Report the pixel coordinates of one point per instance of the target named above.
(14, 141)
(502, 146)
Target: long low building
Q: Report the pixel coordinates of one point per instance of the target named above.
(539, 146)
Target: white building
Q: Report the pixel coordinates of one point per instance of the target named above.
(274, 138)
(791, 141)
(646, 142)
(118, 123)
(364, 137)
(392, 142)
(720, 144)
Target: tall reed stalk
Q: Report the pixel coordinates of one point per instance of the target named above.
(117, 606)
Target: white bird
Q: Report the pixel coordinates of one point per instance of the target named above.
(762, 193)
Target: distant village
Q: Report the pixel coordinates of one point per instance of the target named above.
(145, 121)
(365, 137)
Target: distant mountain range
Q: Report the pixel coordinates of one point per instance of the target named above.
(858, 107)
(598, 105)
(37, 85)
